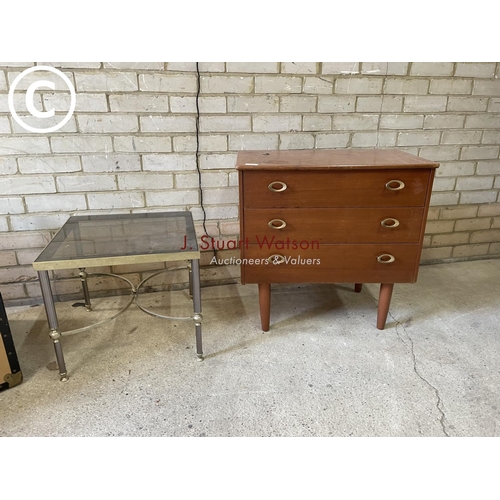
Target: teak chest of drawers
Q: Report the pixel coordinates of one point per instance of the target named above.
(332, 216)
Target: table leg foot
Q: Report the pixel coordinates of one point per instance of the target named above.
(358, 287)
(384, 302)
(265, 305)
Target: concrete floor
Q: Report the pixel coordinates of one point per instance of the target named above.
(322, 370)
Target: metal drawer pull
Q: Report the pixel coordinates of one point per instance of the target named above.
(282, 187)
(399, 185)
(386, 258)
(390, 222)
(281, 224)
(276, 259)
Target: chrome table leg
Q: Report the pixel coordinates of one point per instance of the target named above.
(195, 264)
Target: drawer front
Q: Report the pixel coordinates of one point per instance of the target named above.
(345, 188)
(332, 225)
(333, 264)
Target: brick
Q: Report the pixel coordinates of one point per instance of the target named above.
(461, 137)
(250, 142)
(4, 226)
(183, 66)
(440, 153)
(84, 102)
(16, 64)
(483, 121)
(142, 144)
(277, 123)
(134, 65)
(298, 104)
(171, 198)
(169, 162)
(490, 167)
(340, 68)
(373, 139)
(432, 104)
(479, 152)
(183, 143)
(23, 145)
(5, 125)
(167, 123)
(497, 182)
(85, 183)
(399, 122)
(81, 144)
(111, 163)
(296, 141)
(219, 84)
(27, 80)
(27, 184)
(491, 137)
(444, 184)
(467, 103)
(496, 223)
(354, 122)
(138, 103)
(316, 85)
(8, 165)
(145, 180)
(489, 210)
(491, 236)
(458, 212)
(431, 69)
(49, 164)
(28, 256)
(384, 68)
(187, 104)
(299, 68)
(217, 161)
(252, 104)
(225, 123)
(43, 123)
(56, 203)
(18, 273)
(433, 213)
(486, 87)
(109, 123)
(252, 67)
(14, 291)
(472, 183)
(494, 248)
(208, 179)
(3, 84)
(111, 81)
(13, 240)
(222, 212)
(429, 254)
(354, 85)
(427, 241)
(230, 228)
(444, 121)
(82, 65)
(161, 82)
(220, 196)
(475, 70)
(335, 140)
(111, 201)
(11, 206)
(233, 179)
(438, 199)
(494, 105)
(313, 123)
(439, 226)
(336, 104)
(406, 86)
(278, 85)
(37, 222)
(378, 104)
(450, 86)
(470, 250)
(8, 259)
(472, 224)
(418, 138)
(204, 67)
(445, 240)
(478, 197)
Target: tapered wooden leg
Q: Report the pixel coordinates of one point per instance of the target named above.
(265, 305)
(384, 301)
(358, 287)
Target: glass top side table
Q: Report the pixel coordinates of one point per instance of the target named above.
(110, 240)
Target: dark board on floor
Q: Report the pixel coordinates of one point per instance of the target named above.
(10, 371)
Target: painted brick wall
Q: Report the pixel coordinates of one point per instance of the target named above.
(130, 147)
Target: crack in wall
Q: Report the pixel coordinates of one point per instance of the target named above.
(439, 401)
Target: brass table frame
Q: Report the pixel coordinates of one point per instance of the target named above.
(43, 268)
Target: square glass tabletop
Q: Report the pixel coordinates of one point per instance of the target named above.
(105, 240)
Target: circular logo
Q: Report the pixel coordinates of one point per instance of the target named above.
(30, 97)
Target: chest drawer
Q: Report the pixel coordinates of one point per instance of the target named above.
(333, 225)
(346, 188)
